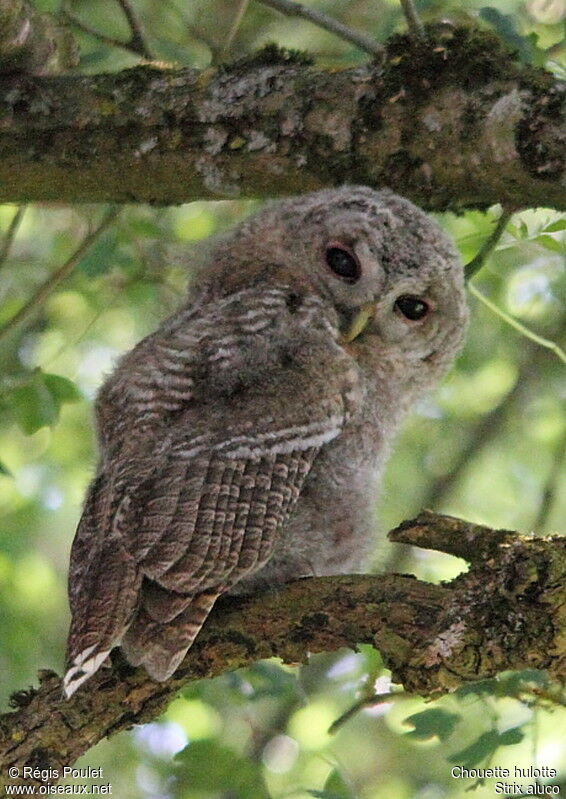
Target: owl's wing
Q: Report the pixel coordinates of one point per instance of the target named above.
(164, 535)
(200, 525)
(209, 524)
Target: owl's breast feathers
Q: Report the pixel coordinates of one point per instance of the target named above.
(203, 458)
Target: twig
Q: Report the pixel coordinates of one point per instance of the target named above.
(11, 233)
(136, 44)
(543, 342)
(102, 37)
(292, 9)
(551, 488)
(243, 7)
(137, 41)
(414, 23)
(474, 266)
(48, 286)
(364, 702)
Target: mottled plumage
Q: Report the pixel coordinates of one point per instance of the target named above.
(241, 444)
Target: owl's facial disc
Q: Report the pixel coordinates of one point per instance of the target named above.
(384, 291)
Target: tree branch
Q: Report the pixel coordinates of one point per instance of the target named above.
(507, 612)
(479, 259)
(414, 23)
(418, 121)
(138, 42)
(8, 240)
(73, 20)
(326, 22)
(49, 285)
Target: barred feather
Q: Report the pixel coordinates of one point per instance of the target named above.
(194, 503)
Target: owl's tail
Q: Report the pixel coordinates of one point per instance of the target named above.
(83, 666)
(158, 638)
(160, 644)
(103, 603)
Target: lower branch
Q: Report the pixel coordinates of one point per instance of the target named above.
(507, 612)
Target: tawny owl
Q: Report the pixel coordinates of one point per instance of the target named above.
(241, 444)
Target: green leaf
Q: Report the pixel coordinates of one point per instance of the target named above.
(336, 787)
(372, 658)
(511, 737)
(505, 25)
(555, 227)
(225, 772)
(513, 230)
(32, 405)
(432, 722)
(147, 228)
(4, 470)
(484, 746)
(513, 683)
(479, 750)
(551, 244)
(535, 54)
(479, 688)
(270, 680)
(61, 388)
(36, 401)
(101, 256)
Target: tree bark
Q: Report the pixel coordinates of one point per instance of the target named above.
(452, 122)
(507, 612)
(32, 43)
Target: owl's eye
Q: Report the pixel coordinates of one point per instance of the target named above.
(411, 307)
(343, 263)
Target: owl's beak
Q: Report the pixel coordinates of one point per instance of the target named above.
(359, 322)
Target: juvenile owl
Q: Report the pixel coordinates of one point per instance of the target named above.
(241, 444)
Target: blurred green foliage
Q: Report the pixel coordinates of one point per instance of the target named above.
(488, 446)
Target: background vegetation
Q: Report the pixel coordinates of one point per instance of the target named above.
(488, 446)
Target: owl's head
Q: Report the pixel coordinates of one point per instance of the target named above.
(391, 274)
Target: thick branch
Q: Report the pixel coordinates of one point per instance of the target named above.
(507, 612)
(452, 122)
